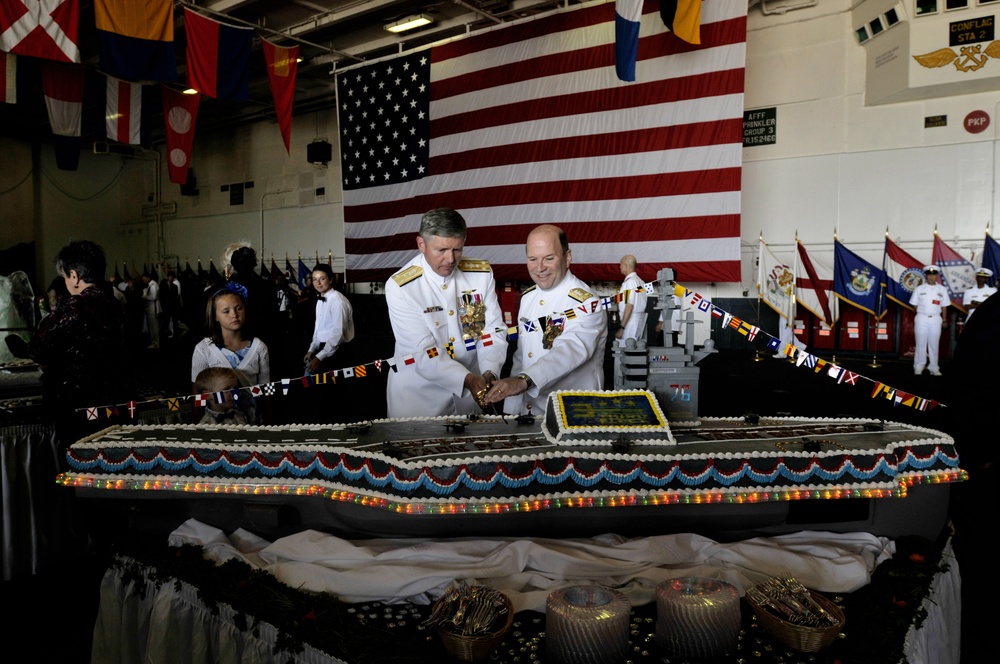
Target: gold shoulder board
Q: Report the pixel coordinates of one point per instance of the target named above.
(407, 275)
(580, 295)
(529, 289)
(473, 265)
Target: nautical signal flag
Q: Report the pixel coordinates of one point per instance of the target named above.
(628, 13)
(47, 30)
(180, 113)
(282, 67)
(683, 17)
(8, 78)
(62, 86)
(218, 57)
(124, 110)
(136, 39)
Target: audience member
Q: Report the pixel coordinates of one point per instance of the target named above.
(442, 307)
(151, 299)
(930, 299)
(334, 324)
(555, 351)
(231, 343)
(632, 306)
(80, 346)
(220, 383)
(973, 297)
(262, 297)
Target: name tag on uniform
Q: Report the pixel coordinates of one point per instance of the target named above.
(431, 310)
(937, 302)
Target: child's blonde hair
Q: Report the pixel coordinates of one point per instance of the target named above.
(209, 377)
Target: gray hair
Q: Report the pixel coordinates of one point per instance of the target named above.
(442, 222)
(227, 254)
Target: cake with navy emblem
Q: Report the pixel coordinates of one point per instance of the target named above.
(593, 417)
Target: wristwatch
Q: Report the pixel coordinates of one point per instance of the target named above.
(490, 377)
(527, 380)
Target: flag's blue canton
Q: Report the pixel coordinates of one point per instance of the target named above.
(385, 123)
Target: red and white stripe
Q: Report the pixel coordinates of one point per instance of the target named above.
(814, 287)
(62, 86)
(530, 125)
(124, 111)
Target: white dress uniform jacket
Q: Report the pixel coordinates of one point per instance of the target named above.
(635, 328)
(576, 359)
(929, 301)
(426, 311)
(977, 295)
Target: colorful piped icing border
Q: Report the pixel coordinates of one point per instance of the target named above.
(718, 479)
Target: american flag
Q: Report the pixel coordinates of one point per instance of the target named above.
(526, 123)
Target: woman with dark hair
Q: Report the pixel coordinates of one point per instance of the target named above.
(80, 345)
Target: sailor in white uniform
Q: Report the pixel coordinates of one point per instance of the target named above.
(450, 338)
(973, 297)
(562, 328)
(930, 299)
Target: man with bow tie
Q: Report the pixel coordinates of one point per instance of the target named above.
(334, 325)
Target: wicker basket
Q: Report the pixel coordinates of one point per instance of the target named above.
(479, 647)
(799, 637)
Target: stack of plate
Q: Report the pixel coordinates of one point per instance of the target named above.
(697, 617)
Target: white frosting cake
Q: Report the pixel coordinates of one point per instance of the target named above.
(576, 417)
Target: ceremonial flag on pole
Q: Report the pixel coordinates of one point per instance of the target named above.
(526, 123)
(683, 17)
(124, 111)
(282, 66)
(46, 29)
(957, 274)
(814, 287)
(991, 257)
(304, 274)
(857, 281)
(180, 113)
(136, 39)
(776, 282)
(903, 273)
(218, 57)
(627, 16)
(8, 78)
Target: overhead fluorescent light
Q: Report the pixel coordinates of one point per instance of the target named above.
(408, 23)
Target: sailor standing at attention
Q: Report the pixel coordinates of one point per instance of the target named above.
(930, 299)
(451, 341)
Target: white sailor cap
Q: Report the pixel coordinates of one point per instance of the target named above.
(984, 272)
(932, 269)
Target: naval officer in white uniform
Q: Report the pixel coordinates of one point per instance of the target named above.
(930, 299)
(561, 330)
(983, 289)
(442, 305)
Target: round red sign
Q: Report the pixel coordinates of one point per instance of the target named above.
(976, 121)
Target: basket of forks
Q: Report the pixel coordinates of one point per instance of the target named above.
(797, 617)
(471, 620)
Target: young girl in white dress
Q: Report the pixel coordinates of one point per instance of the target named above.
(232, 345)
